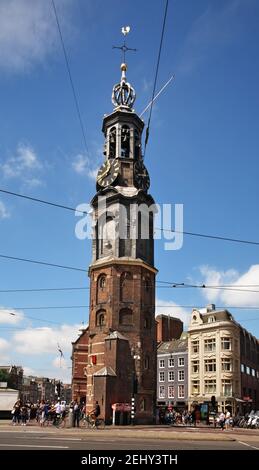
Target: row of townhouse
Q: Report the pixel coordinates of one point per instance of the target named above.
(215, 358)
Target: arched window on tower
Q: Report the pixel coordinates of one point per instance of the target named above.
(101, 318)
(112, 142)
(102, 282)
(126, 287)
(125, 141)
(101, 291)
(106, 236)
(126, 317)
(136, 145)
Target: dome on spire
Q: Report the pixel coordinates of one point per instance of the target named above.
(123, 94)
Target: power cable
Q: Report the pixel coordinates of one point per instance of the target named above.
(202, 235)
(26, 260)
(42, 201)
(55, 307)
(70, 76)
(156, 75)
(171, 286)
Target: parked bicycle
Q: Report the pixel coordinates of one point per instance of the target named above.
(97, 423)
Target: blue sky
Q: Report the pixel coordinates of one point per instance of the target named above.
(202, 152)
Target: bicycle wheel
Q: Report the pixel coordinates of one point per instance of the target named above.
(86, 423)
(99, 423)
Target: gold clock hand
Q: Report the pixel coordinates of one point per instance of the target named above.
(105, 173)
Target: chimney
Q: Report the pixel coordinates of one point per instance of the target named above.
(211, 307)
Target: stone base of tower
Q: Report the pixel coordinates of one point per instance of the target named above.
(115, 382)
(122, 338)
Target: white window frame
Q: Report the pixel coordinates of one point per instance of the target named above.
(197, 384)
(181, 387)
(210, 365)
(210, 386)
(207, 343)
(224, 383)
(160, 362)
(171, 359)
(161, 374)
(180, 359)
(171, 395)
(180, 372)
(227, 360)
(195, 344)
(195, 363)
(170, 372)
(226, 340)
(161, 395)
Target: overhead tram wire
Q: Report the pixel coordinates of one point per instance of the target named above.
(202, 235)
(155, 80)
(57, 307)
(216, 237)
(165, 285)
(10, 328)
(26, 260)
(42, 201)
(70, 77)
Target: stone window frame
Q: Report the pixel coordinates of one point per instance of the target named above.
(210, 365)
(210, 386)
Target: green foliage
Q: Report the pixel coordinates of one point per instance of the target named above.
(4, 376)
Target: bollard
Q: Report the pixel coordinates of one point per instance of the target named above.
(70, 418)
(132, 410)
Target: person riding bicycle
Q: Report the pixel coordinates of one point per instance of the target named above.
(95, 412)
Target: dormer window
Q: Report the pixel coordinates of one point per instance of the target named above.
(211, 319)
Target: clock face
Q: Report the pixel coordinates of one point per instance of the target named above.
(108, 173)
(141, 176)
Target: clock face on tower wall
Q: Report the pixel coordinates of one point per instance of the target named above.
(141, 176)
(108, 173)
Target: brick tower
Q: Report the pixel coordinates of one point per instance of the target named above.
(122, 331)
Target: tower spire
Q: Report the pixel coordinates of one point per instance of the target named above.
(123, 94)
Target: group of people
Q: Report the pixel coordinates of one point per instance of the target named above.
(46, 412)
(225, 420)
(192, 417)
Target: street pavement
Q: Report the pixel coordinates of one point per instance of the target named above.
(125, 438)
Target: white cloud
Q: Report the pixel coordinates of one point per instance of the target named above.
(59, 363)
(10, 316)
(244, 285)
(25, 165)
(28, 32)
(54, 371)
(4, 345)
(82, 165)
(4, 213)
(29, 371)
(173, 310)
(45, 340)
(24, 162)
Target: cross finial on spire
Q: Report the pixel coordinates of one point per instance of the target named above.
(125, 30)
